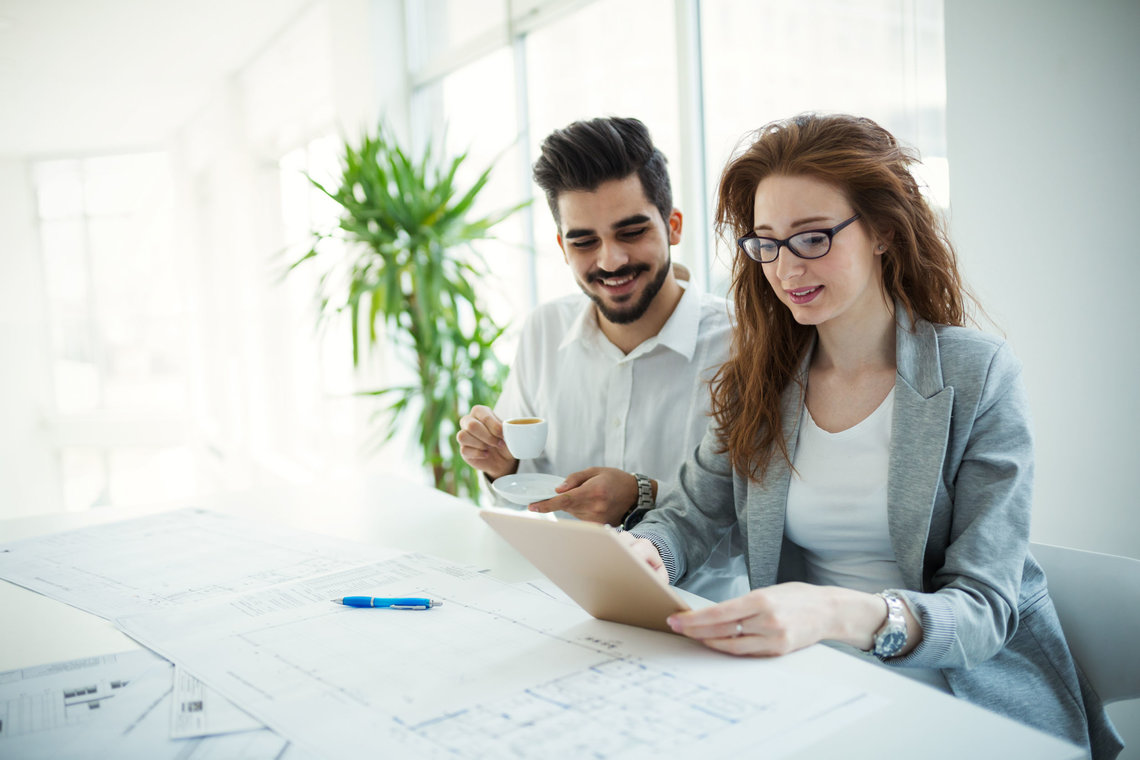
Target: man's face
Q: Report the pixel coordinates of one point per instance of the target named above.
(617, 246)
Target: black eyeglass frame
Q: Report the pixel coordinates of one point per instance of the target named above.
(787, 242)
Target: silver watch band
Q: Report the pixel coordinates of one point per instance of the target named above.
(644, 491)
(891, 638)
(643, 504)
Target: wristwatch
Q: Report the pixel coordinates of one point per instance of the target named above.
(644, 502)
(891, 638)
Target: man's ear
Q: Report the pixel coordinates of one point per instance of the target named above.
(563, 248)
(675, 221)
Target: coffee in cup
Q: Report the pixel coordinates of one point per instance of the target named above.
(525, 436)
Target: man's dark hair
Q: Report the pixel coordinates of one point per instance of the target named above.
(585, 154)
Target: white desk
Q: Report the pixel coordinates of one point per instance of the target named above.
(36, 630)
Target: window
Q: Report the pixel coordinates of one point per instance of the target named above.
(481, 120)
(448, 25)
(311, 422)
(751, 62)
(117, 309)
(588, 64)
(765, 60)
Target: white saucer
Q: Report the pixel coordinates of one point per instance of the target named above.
(526, 488)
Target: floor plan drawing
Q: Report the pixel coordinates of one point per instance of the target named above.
(496, 671)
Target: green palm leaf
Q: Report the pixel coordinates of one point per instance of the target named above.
(408, 264)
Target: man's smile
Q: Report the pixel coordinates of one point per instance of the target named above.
(620, 279)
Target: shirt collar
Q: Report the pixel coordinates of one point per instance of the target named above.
(679, 333)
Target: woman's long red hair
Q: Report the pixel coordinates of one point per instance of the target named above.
(866, 163)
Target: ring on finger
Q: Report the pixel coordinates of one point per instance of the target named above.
(739, 630)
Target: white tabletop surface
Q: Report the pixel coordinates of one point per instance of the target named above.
(385, 511)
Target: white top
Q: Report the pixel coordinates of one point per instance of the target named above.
(837, 503)
(837, 510)
(645, 411)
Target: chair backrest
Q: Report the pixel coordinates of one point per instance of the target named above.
(1097, 597)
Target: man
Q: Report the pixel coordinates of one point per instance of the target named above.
(621, 375)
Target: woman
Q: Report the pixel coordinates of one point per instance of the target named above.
(876, 454)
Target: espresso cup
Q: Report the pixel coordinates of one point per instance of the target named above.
(525, 436)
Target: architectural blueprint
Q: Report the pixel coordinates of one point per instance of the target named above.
(172, 558)
(197, 710)
(496, 671)
(114, 706)
(499, 670)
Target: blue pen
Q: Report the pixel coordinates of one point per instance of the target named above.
(397, 603)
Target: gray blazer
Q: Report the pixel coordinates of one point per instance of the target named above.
(959, 494)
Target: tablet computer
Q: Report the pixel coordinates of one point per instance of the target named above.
(591, 564)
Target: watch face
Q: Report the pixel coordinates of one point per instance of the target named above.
(889, 643)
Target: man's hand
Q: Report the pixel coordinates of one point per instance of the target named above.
(481, 443)
(596, 494)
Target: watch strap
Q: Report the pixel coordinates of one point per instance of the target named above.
(643, 504)
(890, 639)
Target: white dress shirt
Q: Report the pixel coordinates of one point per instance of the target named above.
(643, 412)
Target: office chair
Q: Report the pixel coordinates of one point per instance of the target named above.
(1097, 597)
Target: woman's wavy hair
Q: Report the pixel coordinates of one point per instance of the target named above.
(864, 162)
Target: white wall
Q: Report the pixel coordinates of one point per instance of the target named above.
(1045, 160)
(1044, 149)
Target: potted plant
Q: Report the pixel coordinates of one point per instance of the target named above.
(407, 263)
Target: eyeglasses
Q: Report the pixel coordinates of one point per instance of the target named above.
(809, 244)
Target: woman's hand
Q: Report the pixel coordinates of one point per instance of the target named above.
(788, 616)
(596, 494)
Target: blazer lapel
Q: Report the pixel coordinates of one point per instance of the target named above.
(768, 499)
(919, 436)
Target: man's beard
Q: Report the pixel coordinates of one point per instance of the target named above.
(628, 314)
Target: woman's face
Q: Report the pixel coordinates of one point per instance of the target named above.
(844, 284)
